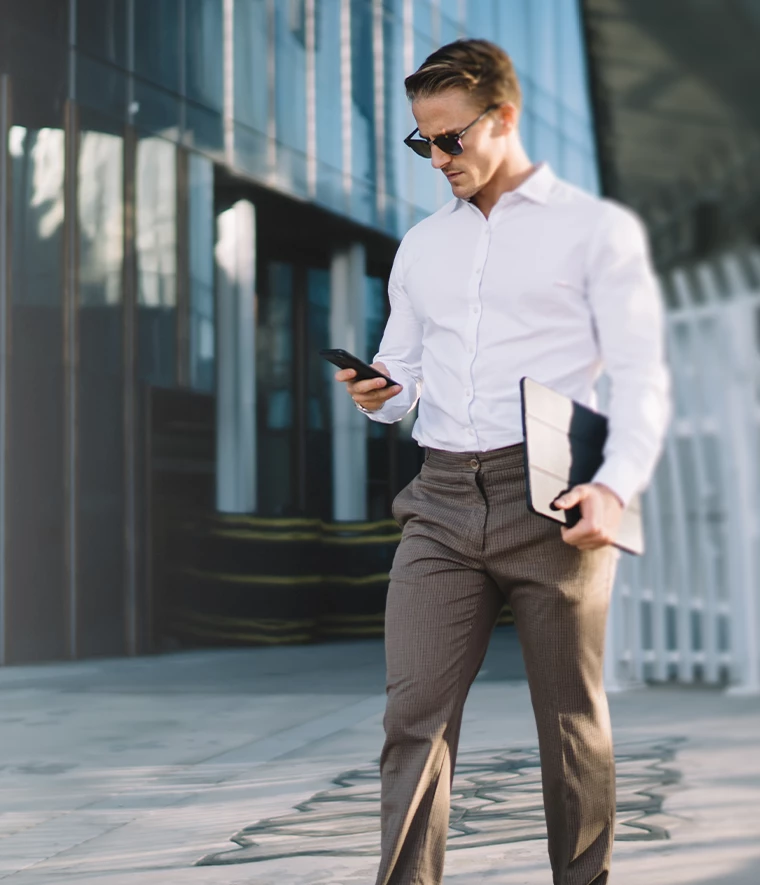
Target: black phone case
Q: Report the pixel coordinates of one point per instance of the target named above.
(345, 360)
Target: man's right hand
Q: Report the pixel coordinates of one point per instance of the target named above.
(372, 393)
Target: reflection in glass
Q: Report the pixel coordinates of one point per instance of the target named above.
(329, 122)
(102, 29)
(35, 490)
(38, 172)
(204, 61)
(290, 93)
(378, 465)
(274, 391)
(101, 228)
(363, 152)
(251, 54)
(251, 86)
(100, 509)
(157, 50)
(319, 392)
(155, 245)
(200, 209)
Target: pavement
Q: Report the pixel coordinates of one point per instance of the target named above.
(116, 772)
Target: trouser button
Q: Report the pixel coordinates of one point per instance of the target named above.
(474, 463)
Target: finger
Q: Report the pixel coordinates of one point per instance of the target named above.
(571, 498)
(345, 374)
(582, 532)
(368, 385)
(377, 397)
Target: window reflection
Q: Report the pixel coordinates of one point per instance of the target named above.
(290, 93)
(35, 490)
(201, 241)
(155, 245)
(204, 62)
(378, 464)
(102, 29)
(99, 387)
(274, 391)
(319, 390)
(251, 86)
(329, 122)
(364, 154)
(37, 158)
(157, 51)
(101, 228)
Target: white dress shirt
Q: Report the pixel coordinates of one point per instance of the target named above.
(555, 284)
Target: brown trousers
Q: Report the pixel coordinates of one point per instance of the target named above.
(468, 544)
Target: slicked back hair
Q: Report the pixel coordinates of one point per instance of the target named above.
(478, 67)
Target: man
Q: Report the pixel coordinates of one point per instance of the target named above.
(520, 274)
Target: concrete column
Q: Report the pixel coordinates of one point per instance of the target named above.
(349, 426)
(236, 359)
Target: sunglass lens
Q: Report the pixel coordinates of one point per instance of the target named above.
(420, 147)
(450, 144)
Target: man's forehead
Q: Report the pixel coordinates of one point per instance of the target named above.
(439, 114)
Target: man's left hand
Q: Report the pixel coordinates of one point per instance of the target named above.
(601, 512)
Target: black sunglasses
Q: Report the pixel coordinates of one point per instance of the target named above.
(449, 144)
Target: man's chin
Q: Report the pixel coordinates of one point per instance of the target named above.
(462, 189)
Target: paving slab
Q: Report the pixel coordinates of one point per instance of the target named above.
(136, 771)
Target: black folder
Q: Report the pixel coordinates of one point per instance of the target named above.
(564, 447)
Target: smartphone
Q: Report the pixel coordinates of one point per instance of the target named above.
(345, 360)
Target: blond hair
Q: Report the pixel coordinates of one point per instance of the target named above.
(479, 67)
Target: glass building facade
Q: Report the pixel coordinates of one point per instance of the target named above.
(127, 127)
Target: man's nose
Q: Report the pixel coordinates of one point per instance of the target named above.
(438, 157)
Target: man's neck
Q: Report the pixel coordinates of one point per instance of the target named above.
(508, 177)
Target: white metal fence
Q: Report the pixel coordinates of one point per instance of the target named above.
(689, 610)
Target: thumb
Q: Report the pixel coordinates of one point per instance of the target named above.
(570, 499)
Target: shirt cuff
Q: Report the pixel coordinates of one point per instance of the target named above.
(622, 477)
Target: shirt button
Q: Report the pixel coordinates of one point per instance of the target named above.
(470, 350)
(468, 392)
(475, 308)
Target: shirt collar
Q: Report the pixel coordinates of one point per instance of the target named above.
(537, 187)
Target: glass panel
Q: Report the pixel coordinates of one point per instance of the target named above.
(571, 60)
(204, 53)
(35, 490)
(157, 50)
(100, 499)
(290, 93)
(102, 29)
(200, 219)
(274, 392)
(481, 19)
(512, 31)
(378, 464)
(251, 55)
(364, 154)
(156, 247)
(157, 110)
(319, 397)
(399, 123)
(101, 87)
(546, 144)
(542, 46)
(329, 122)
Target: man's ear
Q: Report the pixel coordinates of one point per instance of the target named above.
(509, 116)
